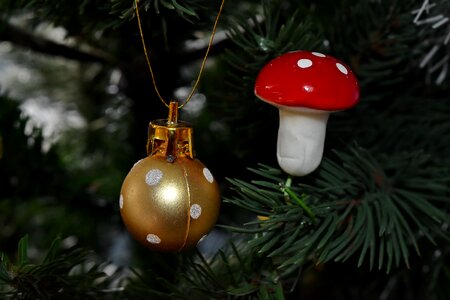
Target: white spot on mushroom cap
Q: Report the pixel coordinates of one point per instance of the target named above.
(153, 177)
(304, 63)
(208, 175)
(318, 54)
(342, 68)
(153, 238)
(121, 201)
(196, 211)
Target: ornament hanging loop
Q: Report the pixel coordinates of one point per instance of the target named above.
(173, 112)
(170, 138)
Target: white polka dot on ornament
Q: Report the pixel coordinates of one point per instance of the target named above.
(208, 175)
(153, 239)
(196, 211)
(153, 177)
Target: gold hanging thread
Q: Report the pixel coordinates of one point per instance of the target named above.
(194, 87)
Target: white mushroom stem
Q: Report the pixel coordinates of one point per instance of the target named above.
(301, 137)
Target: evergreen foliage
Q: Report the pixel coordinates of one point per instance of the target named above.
(370, 223)
(59, 275)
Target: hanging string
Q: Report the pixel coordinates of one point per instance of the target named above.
(194, 87)
(136, 2)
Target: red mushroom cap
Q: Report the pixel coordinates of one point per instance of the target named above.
(307, 79)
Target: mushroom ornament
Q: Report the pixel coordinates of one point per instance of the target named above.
(306, 87)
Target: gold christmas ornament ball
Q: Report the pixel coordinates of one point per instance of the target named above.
(169, 206)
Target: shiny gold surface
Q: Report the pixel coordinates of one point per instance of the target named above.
(169, 200)
(160, 206)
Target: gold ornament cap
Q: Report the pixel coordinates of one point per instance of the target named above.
(169, 137)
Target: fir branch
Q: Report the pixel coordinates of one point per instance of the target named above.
(68, 274)
(299, 201)
(261, 37)
(185, 9)
(375, 38)
(434, 20)
(20, 37)
(362, 212)
(234, 272)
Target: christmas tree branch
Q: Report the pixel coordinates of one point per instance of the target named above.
(299, 201)
(20, 37)
(62, 274)
(232, 273)
(360, 211)
(259, 41)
